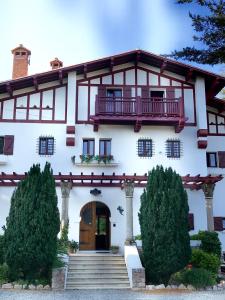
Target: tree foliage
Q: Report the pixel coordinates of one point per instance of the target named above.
(163, 220)
(32, 225)
(210, 31)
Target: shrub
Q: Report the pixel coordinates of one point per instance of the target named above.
(4, 273)
(199, 278)
(138, 237)
(204, 260)
(209, 242)
(163, 220)
(32, 226)
(2, 249)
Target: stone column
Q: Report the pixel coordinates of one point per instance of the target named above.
(65, 190)
(129, 191)
(208, 189)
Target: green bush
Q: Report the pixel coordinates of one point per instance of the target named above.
(209, 242)
(164, 217)
(2, 250)
(197, 277)
(204, 260)
(4, 273)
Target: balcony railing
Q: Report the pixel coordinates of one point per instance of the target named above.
(137, 106)
(139, 111)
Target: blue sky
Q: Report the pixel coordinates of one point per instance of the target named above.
(81, 30)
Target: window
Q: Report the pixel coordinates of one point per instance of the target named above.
(1, 144)
(6, 144)
(89, 147)
(145, 148)
(211, 159)
(173, 148)
(156, 94)
(105, 147)
(114, 93)
(46, 146)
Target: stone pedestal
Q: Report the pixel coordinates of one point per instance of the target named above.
(208, 189)
(65, 190)
(129, 191)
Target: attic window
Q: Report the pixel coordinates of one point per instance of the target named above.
(17, 53)
(23, 53)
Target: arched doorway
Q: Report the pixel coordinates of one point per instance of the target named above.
(94, 227)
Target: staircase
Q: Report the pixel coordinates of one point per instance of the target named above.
(97, 271)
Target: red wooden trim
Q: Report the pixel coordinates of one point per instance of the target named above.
(28, 107)
(32, 121)
(70, 129)
(70, 141)
(202, 133)
(34, 92)
(191, 85)
(40, 111)
(66, 104)
(195, 110)
(89, 100)
(53, 105)
(202, 144)
(192, 182)
(76, 105)
(14, 108)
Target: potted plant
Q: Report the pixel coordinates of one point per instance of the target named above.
(73, 246)
(114, 249)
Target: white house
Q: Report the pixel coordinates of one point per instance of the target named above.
(103, 125)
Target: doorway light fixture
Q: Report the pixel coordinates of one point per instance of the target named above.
(95, 192)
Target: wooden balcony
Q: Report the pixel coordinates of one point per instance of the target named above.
(139, 111)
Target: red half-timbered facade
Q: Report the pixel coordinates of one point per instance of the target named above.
(103, 125)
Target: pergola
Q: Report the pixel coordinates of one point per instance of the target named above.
(102, 180)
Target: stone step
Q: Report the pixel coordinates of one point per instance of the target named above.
(97, 281)
(72, 276)
(97, 263)
(97, 269)
(99, 257)
(97, 287)
(102, 271)
(94, 275)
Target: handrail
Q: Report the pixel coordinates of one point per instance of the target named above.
(154, 106)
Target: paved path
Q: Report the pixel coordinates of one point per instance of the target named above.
(108, 295)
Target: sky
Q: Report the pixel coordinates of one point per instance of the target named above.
(78, 31)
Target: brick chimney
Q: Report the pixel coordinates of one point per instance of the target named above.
(56, 64)
(21, 59)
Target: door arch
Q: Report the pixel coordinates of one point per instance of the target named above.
(94, 226)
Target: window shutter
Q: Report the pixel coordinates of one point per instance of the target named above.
(191, 221)
(170, 93)
(221, 156)
(218, 223)
(127, 92)
(145, 92)
(8, 145)
(101, 91)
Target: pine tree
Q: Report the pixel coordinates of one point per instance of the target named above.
(32, 225)
(164, 225)
(210, 30)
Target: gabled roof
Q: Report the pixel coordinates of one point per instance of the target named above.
(214, 82)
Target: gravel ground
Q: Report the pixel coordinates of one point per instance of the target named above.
(109, 295)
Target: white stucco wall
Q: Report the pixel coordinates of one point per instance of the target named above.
(124, 150)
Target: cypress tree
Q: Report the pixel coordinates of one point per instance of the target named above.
(32, 225)
(163, 220)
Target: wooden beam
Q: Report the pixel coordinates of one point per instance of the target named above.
(213, 88)
(61, 76)
(189, 74)
(35, 83)
(9, 89)
(85, 71)
(163, 66)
